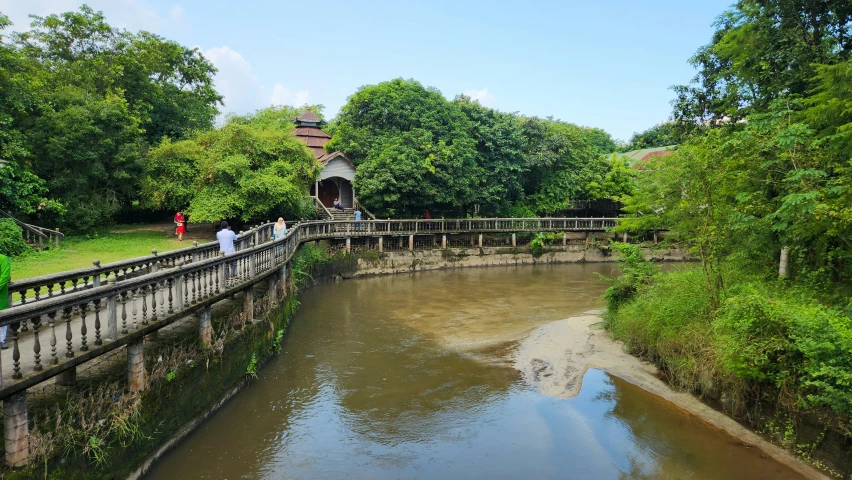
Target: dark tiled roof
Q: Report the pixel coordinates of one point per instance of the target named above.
(308, 116)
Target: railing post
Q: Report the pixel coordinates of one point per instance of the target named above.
(96, 277)
(179, 286)
(205, 327)
(16, 429)
(155, 264)
(252, 264)
(56, 236)
(194, 255)
(136, 365)
(112, 312)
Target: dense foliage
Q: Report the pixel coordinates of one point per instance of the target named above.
(11, 238)
(81, 103)
(768, 166)
(416, 150)
(661, 135)
(251, 168)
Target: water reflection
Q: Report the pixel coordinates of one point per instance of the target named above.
(392, 378)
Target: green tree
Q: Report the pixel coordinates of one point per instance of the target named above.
(412, 149)
(240, 171)
(661, 135)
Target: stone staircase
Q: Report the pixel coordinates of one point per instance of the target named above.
(346, 214)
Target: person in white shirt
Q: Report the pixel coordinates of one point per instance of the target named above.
(226, 239)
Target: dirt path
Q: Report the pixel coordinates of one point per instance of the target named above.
(555, 356)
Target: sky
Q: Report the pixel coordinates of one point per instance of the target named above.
(604, 63)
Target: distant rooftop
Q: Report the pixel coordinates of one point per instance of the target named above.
(637, 156)
(307, 117)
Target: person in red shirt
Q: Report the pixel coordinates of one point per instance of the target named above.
(180, 222)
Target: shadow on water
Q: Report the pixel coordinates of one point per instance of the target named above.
(401, 377)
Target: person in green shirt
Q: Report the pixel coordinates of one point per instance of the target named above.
(5, 278)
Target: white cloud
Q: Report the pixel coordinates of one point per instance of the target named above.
(281, 95)
(129, 14)
(483, 96)
(241, 88)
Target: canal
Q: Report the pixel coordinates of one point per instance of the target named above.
(412, 377)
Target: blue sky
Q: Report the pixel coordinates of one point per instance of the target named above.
(604, 63)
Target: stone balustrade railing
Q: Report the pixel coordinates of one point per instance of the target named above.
(108, 307)
(44, 287)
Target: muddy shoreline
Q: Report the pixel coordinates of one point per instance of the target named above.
(555, 356)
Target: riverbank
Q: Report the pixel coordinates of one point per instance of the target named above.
(555, 357)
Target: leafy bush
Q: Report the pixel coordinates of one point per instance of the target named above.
(11, 238)
(667, 321)
(636, 271)
(801, 347)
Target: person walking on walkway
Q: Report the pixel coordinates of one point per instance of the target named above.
(279, 231)
(5, 278)
(180, 223)
(357, 219)
(226, 244)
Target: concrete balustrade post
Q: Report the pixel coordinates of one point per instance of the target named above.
(444, 241)
(155, 264)
(248, 305)
(112, 312)
(16, 429)
(96, 277)
(381, 246)
(514, 241)
(205, 327)
(252, 264)
(136, 366)
(411, 243)
(179, 286)
(194, 254)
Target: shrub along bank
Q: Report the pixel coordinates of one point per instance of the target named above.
(771, 355)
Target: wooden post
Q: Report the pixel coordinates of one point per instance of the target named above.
(514, 241)
(136, 366)
(205, 327)
(16, 429)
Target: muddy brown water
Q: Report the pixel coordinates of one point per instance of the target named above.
(409, 377)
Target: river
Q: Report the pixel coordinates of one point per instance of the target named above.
(410, 376)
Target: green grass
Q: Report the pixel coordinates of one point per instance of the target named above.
(79, 252)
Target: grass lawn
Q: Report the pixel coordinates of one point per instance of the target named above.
(112, 246)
